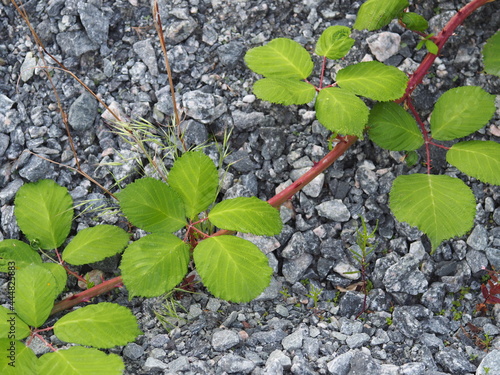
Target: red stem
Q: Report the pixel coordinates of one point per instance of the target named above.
(440, 40)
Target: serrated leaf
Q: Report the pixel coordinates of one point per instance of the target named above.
(11, 326)
(341, 111)
(78, 360)
(154, 264)
(375, 14)
(34, 291)
(411, 159)
(280, 58)
(491, 55)
(334, 42)
(460, 112)
(373, 80)
(17, 253)
(441, 206)
(247, 215)
(284, 91)
(232, 268)
(44, 212)
(95, 244)
(16, 358)
(194, 177)
(152, 205)
(479, 159)
(392, 128)
(104, 325)
(431, 47)
(414, 21)
(60, 276)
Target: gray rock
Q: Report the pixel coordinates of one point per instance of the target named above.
(7, 193)
(274, 142)
(334, 210)
(144, 49)
(231, 53)
(194, 133)
(160, 340)
(296, 246)
(75, 43)
(294, 340)
(412, 368)
(406, 322)
(433, 298)
(454, 361)
(280, 357)
(153, 364)
(384, 45)
(342, 364)
(476, 260)
(36, 169)
(179, 31)
(363, 363)
(94, 21)
(496, 215)
(179, 59)
(83, 112)
(178, 365)
(4, 143)
(492, 254)
(6, 103)
(233, 364)
(248, 121)
(367, 180)
(28, 66)
(294, 269)
(405, 277)
(241, 162)
(312, 189)
(478, 239)
(490, 361)
(225, 339)
(273, 336)
(202, 106)
(357, 340)
(133, 351)
(210, 35)
(351, 304)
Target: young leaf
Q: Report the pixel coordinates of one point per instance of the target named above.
(11, 326)
(102, 326)
(94, 244)
(334, 42)
(60, 276)
(194, 177)
(17, 253)
(341, 111)
(414, 21)
(17, 358)
(460, 112)
(375, 14)
(373, 80)
(152, 205)
(280, 58)
(392, 128)
(491, 55)
(78, 360)
(248, 215)
(44, 212)
(154, 264)
(284, 91)
(232, 268)
(479, 159)
(440, 206)
(34, 290)
(431, 47)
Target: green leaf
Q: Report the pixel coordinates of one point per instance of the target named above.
(34, 294)
(440, 206)
(479, 159)
(232, 268)
(373, 80)
(60, 276)
(152, 205)
(414, 21)
(460, 112)
(431, 47)
(248, 215)
(11, 326)
(375, 14)
(194, 177)
(102, 326)
(491, 55)
(284, 91)
(95, 244)
(80, 361)
(154, 264)
(280, 58)
(341, 111)
(334, 42)
(44, 212)
(411, 159)
(17, 253)
(17, 358)
(392, 128)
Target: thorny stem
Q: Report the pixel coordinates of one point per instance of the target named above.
(424, 131)
(322, 75)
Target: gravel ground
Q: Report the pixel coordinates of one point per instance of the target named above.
(422, 316)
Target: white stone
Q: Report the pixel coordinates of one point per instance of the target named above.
(384, 45)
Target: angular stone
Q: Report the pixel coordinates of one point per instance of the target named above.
(478, 239)
(82, 112)
(75, 43)
(144, 49)
(384, 45)
(334, 210)
(491, 361)
(235, 364)
(454, 362)
(225, 339)
(404, 277)
(94, 21)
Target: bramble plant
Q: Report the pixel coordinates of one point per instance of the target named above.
(439, 205)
